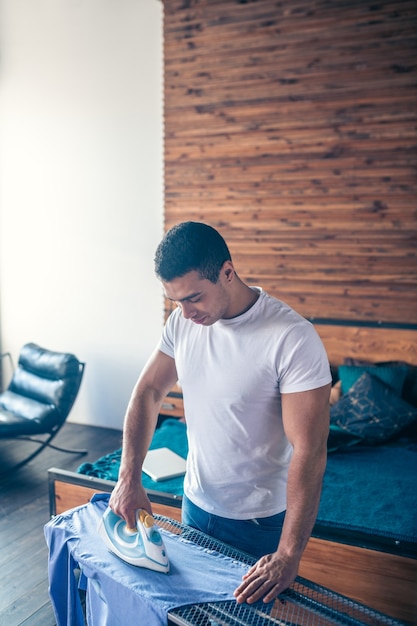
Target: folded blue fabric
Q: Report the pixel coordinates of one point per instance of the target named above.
(118, 592)
(171, 434)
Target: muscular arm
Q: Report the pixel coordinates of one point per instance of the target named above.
(156, 380)
(306, 424)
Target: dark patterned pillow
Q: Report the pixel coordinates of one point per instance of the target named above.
(372, 411)
(340, 439)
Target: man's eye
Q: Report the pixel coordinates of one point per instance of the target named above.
(194, 300)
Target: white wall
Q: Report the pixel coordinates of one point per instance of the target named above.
(81, 191)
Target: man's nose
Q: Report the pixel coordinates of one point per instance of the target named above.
(187, 309)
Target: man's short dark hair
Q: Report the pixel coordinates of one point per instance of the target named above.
(191, 246)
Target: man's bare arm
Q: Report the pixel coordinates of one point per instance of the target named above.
(306, 423)
(156, 380)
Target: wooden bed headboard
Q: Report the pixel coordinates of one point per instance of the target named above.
(371, 343)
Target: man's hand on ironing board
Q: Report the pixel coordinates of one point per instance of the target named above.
(267, 579)
(126, 499)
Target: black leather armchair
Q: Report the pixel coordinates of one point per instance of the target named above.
(39, 398)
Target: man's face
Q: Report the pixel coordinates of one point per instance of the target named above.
(200, 300)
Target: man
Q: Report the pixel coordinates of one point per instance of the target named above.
(256, 383)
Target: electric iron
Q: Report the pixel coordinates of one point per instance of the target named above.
(141, 546)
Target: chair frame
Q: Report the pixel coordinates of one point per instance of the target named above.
(42, 443)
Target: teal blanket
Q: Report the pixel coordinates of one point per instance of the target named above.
(366, 489)
(373, 490)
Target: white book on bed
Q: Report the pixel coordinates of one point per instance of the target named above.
(163, 463)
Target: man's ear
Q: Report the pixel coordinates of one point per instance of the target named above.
(229, 270)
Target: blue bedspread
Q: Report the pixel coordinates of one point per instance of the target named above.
(372, 489)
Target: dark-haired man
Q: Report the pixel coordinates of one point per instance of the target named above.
(256, 382)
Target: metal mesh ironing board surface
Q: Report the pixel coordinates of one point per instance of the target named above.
(303, 604)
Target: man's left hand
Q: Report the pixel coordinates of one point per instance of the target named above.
(266, 579)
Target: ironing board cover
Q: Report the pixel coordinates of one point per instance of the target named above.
(118, 593)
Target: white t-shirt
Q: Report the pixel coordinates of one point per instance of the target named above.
(232, 374)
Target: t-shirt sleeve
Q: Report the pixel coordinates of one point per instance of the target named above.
(166, 344)
(304, 364)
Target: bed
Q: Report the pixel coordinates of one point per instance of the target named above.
(364, 543)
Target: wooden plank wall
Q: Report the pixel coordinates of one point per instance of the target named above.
(291, 127)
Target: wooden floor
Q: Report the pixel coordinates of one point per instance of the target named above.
(24, 510)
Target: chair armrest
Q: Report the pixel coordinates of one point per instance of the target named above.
(9, 356)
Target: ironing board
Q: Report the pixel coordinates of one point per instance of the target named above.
(119, 594)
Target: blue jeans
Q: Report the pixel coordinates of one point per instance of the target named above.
(254, 536)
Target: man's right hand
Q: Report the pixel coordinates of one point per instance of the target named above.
(126, 499)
